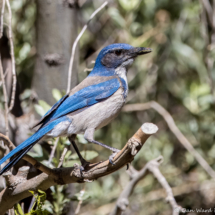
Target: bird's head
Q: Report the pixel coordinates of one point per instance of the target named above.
(116, 55)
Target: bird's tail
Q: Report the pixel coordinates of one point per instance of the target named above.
(24, 147)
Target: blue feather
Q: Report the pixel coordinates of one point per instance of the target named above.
(99, 69)
(85, 97)
(54, 107)
(34, 138)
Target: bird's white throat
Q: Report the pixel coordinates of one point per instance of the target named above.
(121, 71)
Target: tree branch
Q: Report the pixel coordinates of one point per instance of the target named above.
(5, 99)
(209, 10)
(53, 151)
(10, 196)
(62, 157)
(172, 126)
(76, 42)
(10, 37)
(2, 16)
(153, 167)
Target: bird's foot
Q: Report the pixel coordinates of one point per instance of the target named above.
(111, 157)
(83, 166)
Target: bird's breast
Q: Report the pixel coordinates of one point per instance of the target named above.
(98, 115)
(122, 74)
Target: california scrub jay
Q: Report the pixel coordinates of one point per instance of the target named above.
(92, 104)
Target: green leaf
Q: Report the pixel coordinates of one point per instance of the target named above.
(42, 196)
(68, 154)
(46, 163)
(81, 139)
(38, 151)
(39, 109)
(81, 196)
(70, 163)
(41, 192)
(48, 207)
(32, 192)
(129, 4)
(44, 105)
(117, 18)
(26, 94)
(18, 210)
(52, 188)
(56, 94)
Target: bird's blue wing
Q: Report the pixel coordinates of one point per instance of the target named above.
(85, 97)
(54, 107)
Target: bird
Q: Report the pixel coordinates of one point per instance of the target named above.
(89, 106)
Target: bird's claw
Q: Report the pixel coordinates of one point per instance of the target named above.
(111, 157)
(83, 166)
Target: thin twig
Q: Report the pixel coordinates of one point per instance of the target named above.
(80, 200)
(172, 126)
(76, 42)
(210, 63)
(62, 157)
(2, 18)
(209, 10)
(53, 151)
(5, 74)
(5, 100)
(152, 166)
(10, 37)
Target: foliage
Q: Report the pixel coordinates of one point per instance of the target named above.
(39, 203)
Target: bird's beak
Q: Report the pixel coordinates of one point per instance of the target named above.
(139, 51)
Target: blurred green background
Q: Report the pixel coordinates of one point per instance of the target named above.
(179, 74)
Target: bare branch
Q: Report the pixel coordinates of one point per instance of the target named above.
(209, 10)
(152, 166)
(23, 172)
(80, 201)
(10, 37)
(62, 157)
(206, 188)
(2, 18)
(5, 74)
(172, 126)
(5, 99)
(76, 42)
(72, 174)
(53, 151)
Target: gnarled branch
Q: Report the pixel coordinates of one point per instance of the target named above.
(172, 126)
(153, 167)
(8, 197)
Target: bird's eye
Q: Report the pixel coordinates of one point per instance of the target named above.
(118, 52)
